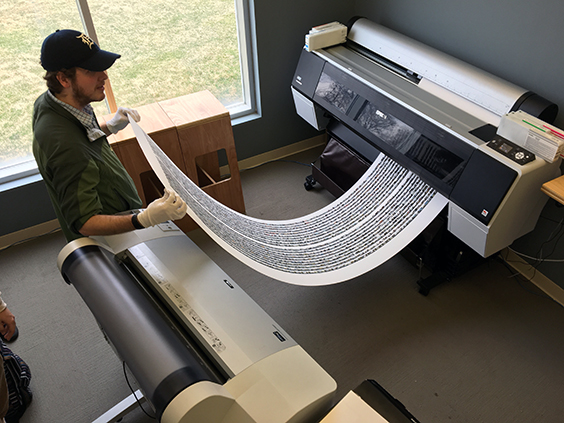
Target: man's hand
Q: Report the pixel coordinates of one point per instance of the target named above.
(169, 207)
(121, 120)
(7, 324)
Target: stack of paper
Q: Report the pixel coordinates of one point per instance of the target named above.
(542, 139)
(325, 36)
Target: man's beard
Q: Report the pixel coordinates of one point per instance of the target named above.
(81, 97)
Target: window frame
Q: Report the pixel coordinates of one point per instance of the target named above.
(248, 109)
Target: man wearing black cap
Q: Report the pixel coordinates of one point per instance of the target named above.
(86, 181)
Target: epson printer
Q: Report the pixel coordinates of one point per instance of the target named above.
(200, 349)
(384, 93)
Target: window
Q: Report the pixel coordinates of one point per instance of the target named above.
(169, 48)
(24, 26)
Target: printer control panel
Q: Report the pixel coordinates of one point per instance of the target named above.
(511, 150)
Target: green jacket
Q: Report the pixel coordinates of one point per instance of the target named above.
(83, 178)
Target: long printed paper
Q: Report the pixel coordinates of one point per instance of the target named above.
(374, 220)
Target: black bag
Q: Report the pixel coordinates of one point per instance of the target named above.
(18, 377)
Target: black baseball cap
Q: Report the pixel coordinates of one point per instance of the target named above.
(67, 48)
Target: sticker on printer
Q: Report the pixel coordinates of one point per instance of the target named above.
(485, 213)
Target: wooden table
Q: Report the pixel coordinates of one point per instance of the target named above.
(555, 189)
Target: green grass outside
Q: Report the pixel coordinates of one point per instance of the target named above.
(169, 48)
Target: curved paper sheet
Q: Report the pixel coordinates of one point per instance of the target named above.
(374, 220)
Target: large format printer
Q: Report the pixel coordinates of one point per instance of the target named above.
(384, 93)
(200, 349)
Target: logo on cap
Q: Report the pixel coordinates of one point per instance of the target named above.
(86, 40)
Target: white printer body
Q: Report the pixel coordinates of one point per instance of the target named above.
(384, 93)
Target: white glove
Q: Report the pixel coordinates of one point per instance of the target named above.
(169, 207)
(120, 119)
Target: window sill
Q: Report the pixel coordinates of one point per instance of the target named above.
(19, 175)
(244, 119)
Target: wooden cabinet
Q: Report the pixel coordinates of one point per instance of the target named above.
(195, 132)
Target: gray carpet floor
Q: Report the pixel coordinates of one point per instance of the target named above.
(485, 347)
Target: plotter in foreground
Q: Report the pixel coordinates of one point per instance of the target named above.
(200, 349)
